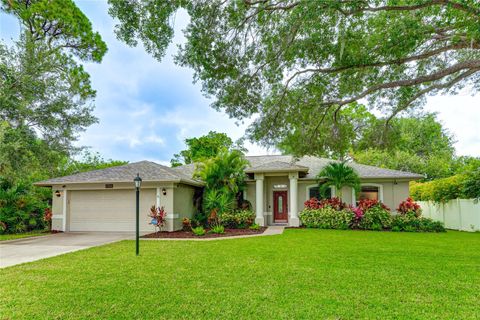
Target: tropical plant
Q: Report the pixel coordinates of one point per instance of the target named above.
(339, 175)
(217, 229)
(199, 231)
(224, 178)
(187, 224)
(365, 204)
(334, 202)
(218, 201)
(226, 170)
(409, 207)
(254, 227)
(47, 217)
(158, 217)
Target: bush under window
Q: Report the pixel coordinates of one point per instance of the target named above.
(327, 218)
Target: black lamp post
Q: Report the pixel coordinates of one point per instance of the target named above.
(138, 183)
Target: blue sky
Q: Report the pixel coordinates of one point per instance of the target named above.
(147, 108)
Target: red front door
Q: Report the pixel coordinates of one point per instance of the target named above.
(280, 211)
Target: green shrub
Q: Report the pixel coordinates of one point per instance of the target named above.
(326, 218)
(254, 227)
(375, 218)
(199, 231)
(218, 229)
(471, 185)
(441, 190)
(22, 207)
(240, 219)
(411, 223)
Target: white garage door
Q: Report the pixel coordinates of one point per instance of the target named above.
(109, 210)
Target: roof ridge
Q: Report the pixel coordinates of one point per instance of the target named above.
(381, 168)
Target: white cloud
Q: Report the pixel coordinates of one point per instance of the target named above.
(460, 114)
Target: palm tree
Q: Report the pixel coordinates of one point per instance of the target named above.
(226, 170)
(339, 175)
(224, 178)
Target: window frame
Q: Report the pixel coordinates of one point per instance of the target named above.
(369, 184)
(307, 191)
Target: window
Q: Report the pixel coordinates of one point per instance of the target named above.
(369, 192)
(372, 191)
(314, 192)
(280, 204)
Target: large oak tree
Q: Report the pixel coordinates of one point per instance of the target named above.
(297, 63)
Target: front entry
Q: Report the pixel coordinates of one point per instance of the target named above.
(280, 211)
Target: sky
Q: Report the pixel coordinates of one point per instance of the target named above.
(147, 108)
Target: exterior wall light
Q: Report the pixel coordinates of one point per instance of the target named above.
(164, 191)
(58, 193)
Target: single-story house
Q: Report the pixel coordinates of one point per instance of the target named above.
(277, 187)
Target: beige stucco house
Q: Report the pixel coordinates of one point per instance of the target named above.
(277, 187)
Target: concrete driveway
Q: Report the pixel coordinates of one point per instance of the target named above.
(31, 249)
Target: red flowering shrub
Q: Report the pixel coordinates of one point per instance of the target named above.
(366, 204)
(159, 217)
(47, 216)
(409, 207)
(358, 213)
(312, 203)
(213, 218)
(334, 203)
(187, 224)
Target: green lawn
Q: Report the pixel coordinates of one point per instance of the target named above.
(4, 237)
(300, 274)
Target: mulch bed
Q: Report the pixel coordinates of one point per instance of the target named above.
(189, 234)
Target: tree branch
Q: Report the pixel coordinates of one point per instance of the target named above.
(473, 64)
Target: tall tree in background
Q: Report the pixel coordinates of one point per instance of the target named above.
(418, 144)
(204, 147)
(46, 97)
(334, 140)
(298, 63)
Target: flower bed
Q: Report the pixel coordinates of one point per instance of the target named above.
(368, 215)
(189, 234)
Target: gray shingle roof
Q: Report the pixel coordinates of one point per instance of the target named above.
(278, 166)
(149, 171)
(315, 165)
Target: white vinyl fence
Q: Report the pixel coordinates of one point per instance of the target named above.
(458, 214)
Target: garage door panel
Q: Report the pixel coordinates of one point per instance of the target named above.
(109, 210)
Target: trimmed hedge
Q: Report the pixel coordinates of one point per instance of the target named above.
(460, 186)
(327, 218)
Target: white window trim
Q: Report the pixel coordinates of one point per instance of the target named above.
(307, 191)
(380, 191)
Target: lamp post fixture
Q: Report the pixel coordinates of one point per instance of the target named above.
(138, 183)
